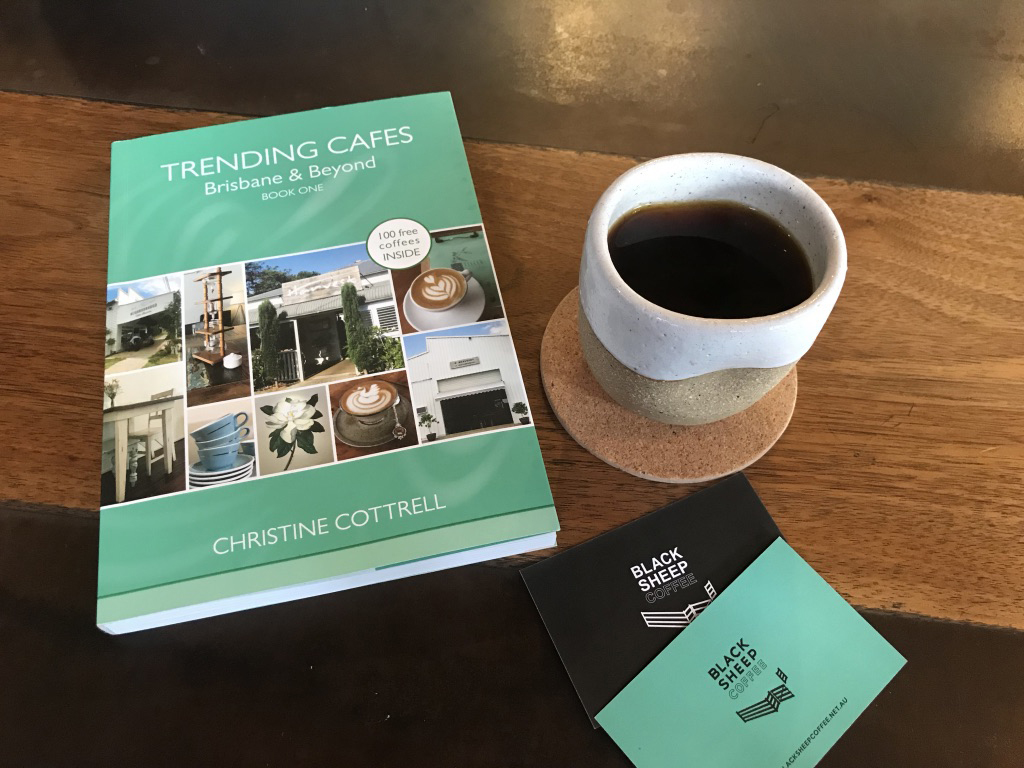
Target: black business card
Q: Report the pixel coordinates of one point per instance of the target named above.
(613, 603)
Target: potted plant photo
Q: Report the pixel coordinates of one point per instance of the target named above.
(520, 410)
(110, 389)
(426, 420)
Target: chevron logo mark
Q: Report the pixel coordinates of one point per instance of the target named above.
(770, 704)
(677, 619)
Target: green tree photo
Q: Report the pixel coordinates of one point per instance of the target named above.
(355, 330)
(381, 352)
(270, 347)
(170, 321)
(369, 348)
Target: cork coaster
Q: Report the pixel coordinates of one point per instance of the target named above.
(646, 448)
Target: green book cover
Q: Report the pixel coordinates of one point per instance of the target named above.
(770, 675)
(309, 379)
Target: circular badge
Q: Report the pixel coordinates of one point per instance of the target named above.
(398, 243)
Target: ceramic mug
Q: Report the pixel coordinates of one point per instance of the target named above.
(681, 369)
(229, 422)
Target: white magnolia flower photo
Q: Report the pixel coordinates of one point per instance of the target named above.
(293, 421)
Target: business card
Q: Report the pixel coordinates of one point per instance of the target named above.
(613, 603)
(771, 675)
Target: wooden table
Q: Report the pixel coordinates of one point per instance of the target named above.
(899, 478)
(120, 416)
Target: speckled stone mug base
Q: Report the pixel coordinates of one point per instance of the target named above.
(697, 400)
(644, 447)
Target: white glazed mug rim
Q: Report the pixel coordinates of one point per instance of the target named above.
(608, 301)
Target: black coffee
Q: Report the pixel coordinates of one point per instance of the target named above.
(710, 259)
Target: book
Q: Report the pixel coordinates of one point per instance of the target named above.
(309, 379)
(613, 603)
(771, 674)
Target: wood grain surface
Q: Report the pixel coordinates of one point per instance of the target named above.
(899, 478)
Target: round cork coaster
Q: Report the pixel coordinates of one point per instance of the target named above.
(640, 446)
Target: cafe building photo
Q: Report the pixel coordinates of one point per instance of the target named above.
(301, 299)
(464, 380)
(143, 324)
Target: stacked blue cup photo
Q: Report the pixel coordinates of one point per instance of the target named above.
(218, 441)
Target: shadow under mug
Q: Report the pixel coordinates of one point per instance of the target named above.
(686, 370)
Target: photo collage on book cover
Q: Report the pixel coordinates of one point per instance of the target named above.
(249, 369)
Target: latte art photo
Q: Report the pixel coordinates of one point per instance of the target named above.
(438, 289)
(366, 400)
(441, 289)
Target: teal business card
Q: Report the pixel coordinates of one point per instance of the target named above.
(770, 675)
